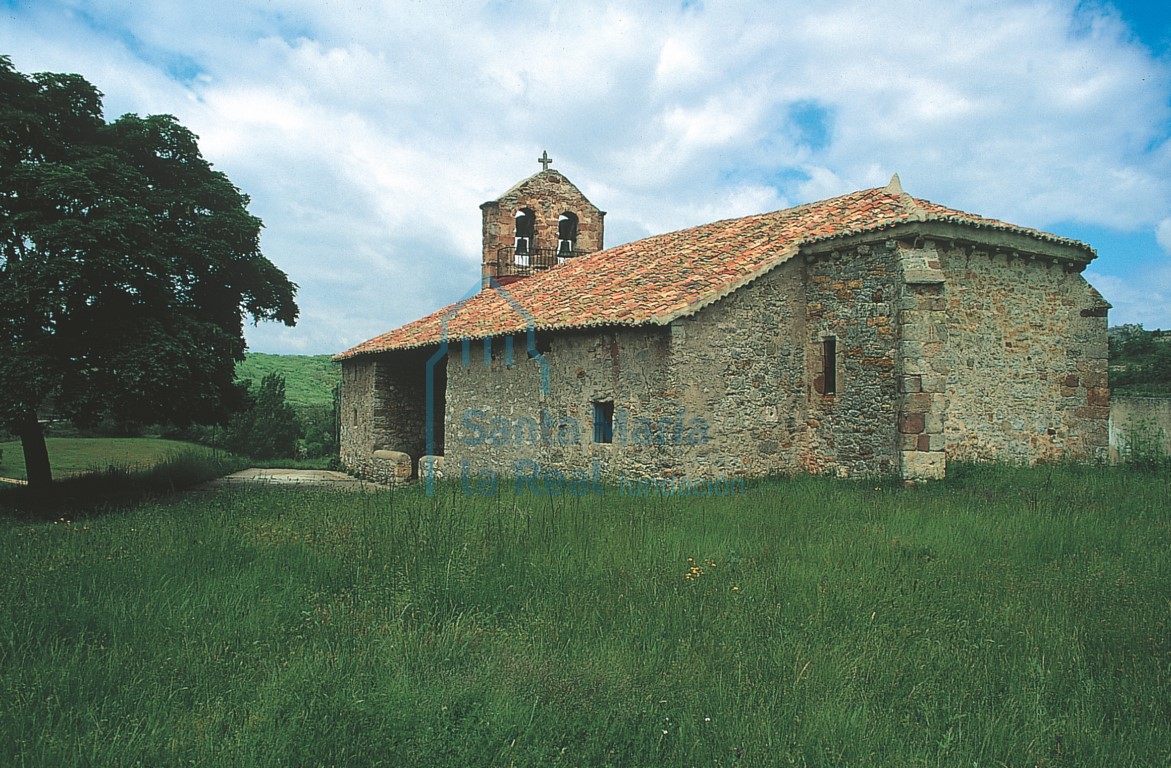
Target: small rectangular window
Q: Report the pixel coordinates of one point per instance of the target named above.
(829, 360)
(603, 421)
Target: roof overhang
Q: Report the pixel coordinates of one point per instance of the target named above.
(1070, 253)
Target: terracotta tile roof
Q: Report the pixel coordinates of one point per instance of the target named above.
(659, 279)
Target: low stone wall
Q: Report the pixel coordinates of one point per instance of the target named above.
(1139, 423)
(386, 467)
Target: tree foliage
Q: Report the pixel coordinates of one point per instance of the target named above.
(1140, 361)
(127, 264)
(268, 428)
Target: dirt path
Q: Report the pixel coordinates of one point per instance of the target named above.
(296, 478)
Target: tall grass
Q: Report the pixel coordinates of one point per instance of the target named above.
(1004, 617)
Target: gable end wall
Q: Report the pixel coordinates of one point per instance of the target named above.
(1027, 359)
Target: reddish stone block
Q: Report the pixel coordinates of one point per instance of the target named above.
(911, 423)
(1099, 396)
(1095, 379)
(1092, 412)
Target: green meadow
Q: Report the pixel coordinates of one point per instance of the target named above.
(1004, 617)
(76, 455)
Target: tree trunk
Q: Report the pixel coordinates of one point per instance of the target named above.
(36, 454)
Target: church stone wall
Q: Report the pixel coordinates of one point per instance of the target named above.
(740, 364)
(356, 430)
(492, 418)
(715, 396)
(501, 420)
(853, 298)
(1027, 354)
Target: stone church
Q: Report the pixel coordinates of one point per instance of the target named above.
(869, 334)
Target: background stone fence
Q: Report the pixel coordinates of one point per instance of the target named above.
(1139, 425)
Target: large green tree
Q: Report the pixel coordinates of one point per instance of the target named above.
(127, 267)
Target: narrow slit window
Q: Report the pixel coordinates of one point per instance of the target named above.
(829, 359)
(603, 421)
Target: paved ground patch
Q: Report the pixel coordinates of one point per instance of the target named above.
(296, 478)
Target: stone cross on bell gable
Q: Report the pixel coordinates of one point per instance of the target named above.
(545, 160)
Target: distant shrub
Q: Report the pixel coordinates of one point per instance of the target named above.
(1140, 361)
(263, 431)
(269, 429)
(320, 431)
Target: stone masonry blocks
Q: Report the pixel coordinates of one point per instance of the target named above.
(923, 338)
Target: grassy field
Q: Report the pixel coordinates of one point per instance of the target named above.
(72, 455)
(1004, 617)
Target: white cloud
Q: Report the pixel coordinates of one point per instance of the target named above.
(1145, 301)
(1163, 234)
(368, 137)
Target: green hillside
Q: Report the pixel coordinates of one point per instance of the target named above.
(309, 379)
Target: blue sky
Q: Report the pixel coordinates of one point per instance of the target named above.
(367, 134)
